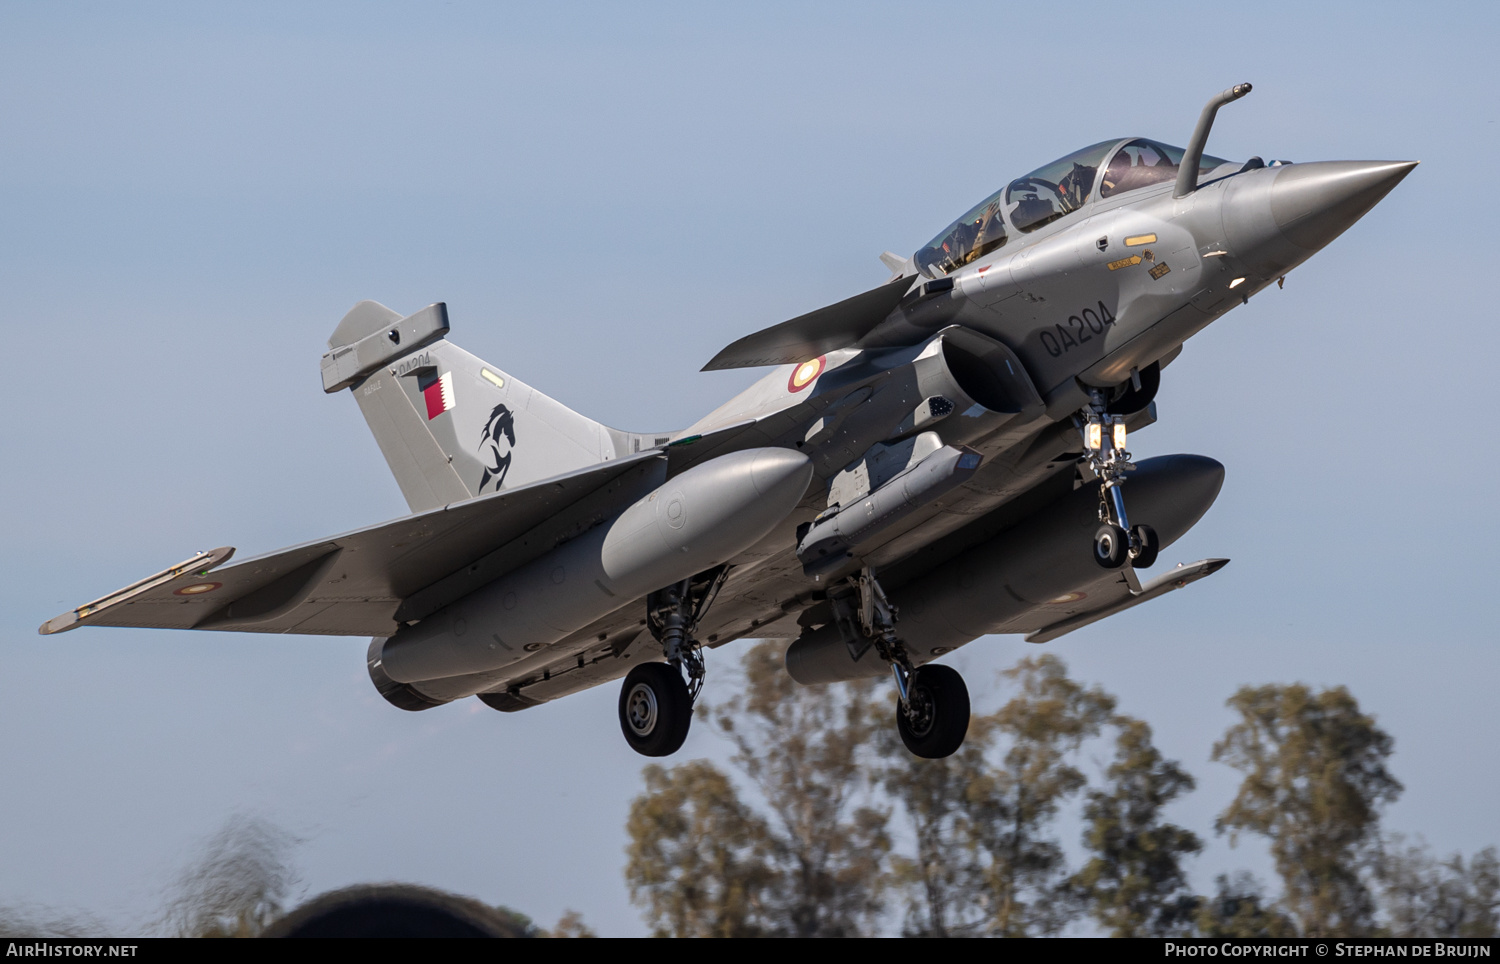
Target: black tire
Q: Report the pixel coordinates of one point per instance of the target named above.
(655, 709)
(1150, 546)
(1111, 546)
(940, 713)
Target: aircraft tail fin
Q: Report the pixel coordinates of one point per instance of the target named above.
(451, 426)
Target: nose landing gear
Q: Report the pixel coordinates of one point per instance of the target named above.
(1116, 541)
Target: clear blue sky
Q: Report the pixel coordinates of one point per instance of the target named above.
(191, 196)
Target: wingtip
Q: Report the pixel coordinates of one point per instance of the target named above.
(196, 566)
(58, 624)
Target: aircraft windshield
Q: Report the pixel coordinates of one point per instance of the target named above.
(1142, 163)
(1050, 192)
(1054, 190)
(1044, 195)
(970, 237)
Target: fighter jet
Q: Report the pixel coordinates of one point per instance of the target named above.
(940, 458)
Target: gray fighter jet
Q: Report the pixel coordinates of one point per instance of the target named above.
(934, 460)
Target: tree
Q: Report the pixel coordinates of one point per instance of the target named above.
(805, 749)
(1426, 897)
(1315, 780)
(1134, 883)
(942, 879)
(238, 885)
(699, 858)
(1238, 909)
(986, 862)
(570, 924)
(1011, 804)
(814, 865)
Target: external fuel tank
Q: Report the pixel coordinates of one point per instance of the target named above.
(691, 523)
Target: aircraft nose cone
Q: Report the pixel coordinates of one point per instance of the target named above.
(1316, 202)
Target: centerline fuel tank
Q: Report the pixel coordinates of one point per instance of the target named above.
(1017, 571)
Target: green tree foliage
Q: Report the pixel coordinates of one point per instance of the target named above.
(570, 924)
(805, 749)
(699, 859)
(800, 847)
(1238, 909)
(1314, 783)
(1422, 896)
(939, 882)
(1013, 803)
(813, 866)
(986, 861)
(1134, 884)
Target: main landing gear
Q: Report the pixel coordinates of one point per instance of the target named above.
(656, 701)
(933, 713)
(1116, 541)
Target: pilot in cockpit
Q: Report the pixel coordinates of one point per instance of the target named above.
(1136, 165)
(970, 240)
(1075, 186)
(988, 229)
(960, 243)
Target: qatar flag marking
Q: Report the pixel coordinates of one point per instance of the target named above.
(439, 396)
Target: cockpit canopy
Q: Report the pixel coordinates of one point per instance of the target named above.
(1051, 192)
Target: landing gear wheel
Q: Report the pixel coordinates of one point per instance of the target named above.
(939, 716)
(1149, 543)
(655, 709)
(1111, 546)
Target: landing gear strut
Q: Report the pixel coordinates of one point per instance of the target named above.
(933, 713)
(656, 702)
(1116, 541)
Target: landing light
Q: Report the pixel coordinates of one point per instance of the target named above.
(1093, 435)
(1236, 283)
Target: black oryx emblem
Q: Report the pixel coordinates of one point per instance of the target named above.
(496, 445)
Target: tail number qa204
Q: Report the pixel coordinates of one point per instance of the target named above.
(1080, 328)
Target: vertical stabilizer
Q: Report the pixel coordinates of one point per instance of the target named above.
(450, 425)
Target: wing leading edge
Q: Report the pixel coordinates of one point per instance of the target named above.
(366, 582)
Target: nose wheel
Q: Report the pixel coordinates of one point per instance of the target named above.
(1147, 545)
(1113, 547)
(1116, 541)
